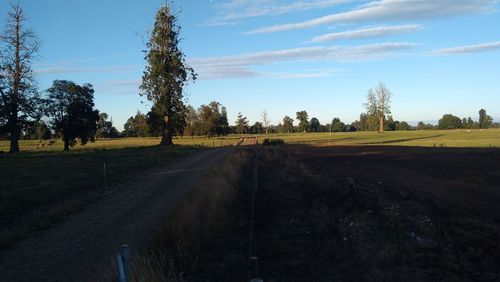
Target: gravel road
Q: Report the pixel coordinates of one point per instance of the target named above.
(86, 243)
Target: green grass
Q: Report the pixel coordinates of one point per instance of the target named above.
(431, 138)
(119, 143)
(40, 188)
(428, 138)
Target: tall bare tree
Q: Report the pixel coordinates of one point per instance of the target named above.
(166, 73)
(378, 104)
(18, 95)
(266, 121)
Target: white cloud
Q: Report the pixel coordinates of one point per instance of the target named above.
(233, 11)
(308, 74)
(241, 65)
(467, 49)
(393, 10)
(65, 69)
(125, 82)
(367, 32)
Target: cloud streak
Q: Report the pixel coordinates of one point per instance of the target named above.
(240, 66)
(370, 32)
(65, 69)
(467, 49)
(233, 11)
(392, 10)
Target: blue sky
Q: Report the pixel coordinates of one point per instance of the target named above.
(321, 56)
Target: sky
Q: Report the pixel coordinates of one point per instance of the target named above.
(322, 56)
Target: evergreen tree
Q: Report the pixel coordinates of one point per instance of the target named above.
(241, 124)
(166, 73)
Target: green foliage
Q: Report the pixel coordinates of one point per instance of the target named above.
(424, 126)
(337, 125)
(105, 128)
(303, 118)
(39, 131)
(485, 121)
(137, 126)
(402, 126)
(241, 124)
(213, 120)
(257, 128)
(167, 73)
(449, 121)
(287, 124)
(273, 142)
(71, 108)
(315, 125)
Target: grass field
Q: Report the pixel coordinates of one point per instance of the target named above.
(40, 188)
(43, 184)
(120, 143)
(429, 138)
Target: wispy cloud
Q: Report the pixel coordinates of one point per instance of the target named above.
(467, 49)
(241, 65)
(367, 32)
(229, 13)
(308, 74)
(125, 82)
(69, 69)
(392, 10)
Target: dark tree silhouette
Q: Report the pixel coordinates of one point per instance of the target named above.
(166, 73)
(18, 97)
(71, 108)
(315, 125)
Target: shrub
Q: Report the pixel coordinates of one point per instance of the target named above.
(273, 142)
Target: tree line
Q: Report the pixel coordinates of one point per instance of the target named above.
(66, 110)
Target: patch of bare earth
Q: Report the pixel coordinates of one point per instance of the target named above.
(364, 214)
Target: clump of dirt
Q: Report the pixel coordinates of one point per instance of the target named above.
(324, 224)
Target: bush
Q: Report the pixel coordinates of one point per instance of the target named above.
(273, 142)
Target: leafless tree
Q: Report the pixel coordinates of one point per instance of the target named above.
(266, 121)
(378, 104)
(18, 46)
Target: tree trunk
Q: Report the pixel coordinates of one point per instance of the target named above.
(15, 131)
(166, 137)
(66, 144)
(14, 140)
(381, 122)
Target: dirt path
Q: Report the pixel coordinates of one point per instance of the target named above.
(86, 243)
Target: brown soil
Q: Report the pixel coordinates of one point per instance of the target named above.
(364, 214)
(85, 244)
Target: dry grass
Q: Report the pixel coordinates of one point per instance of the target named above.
(191, 224)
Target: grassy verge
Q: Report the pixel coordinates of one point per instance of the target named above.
(193, 223)
(39, 189)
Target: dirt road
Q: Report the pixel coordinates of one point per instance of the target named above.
(86, 243)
